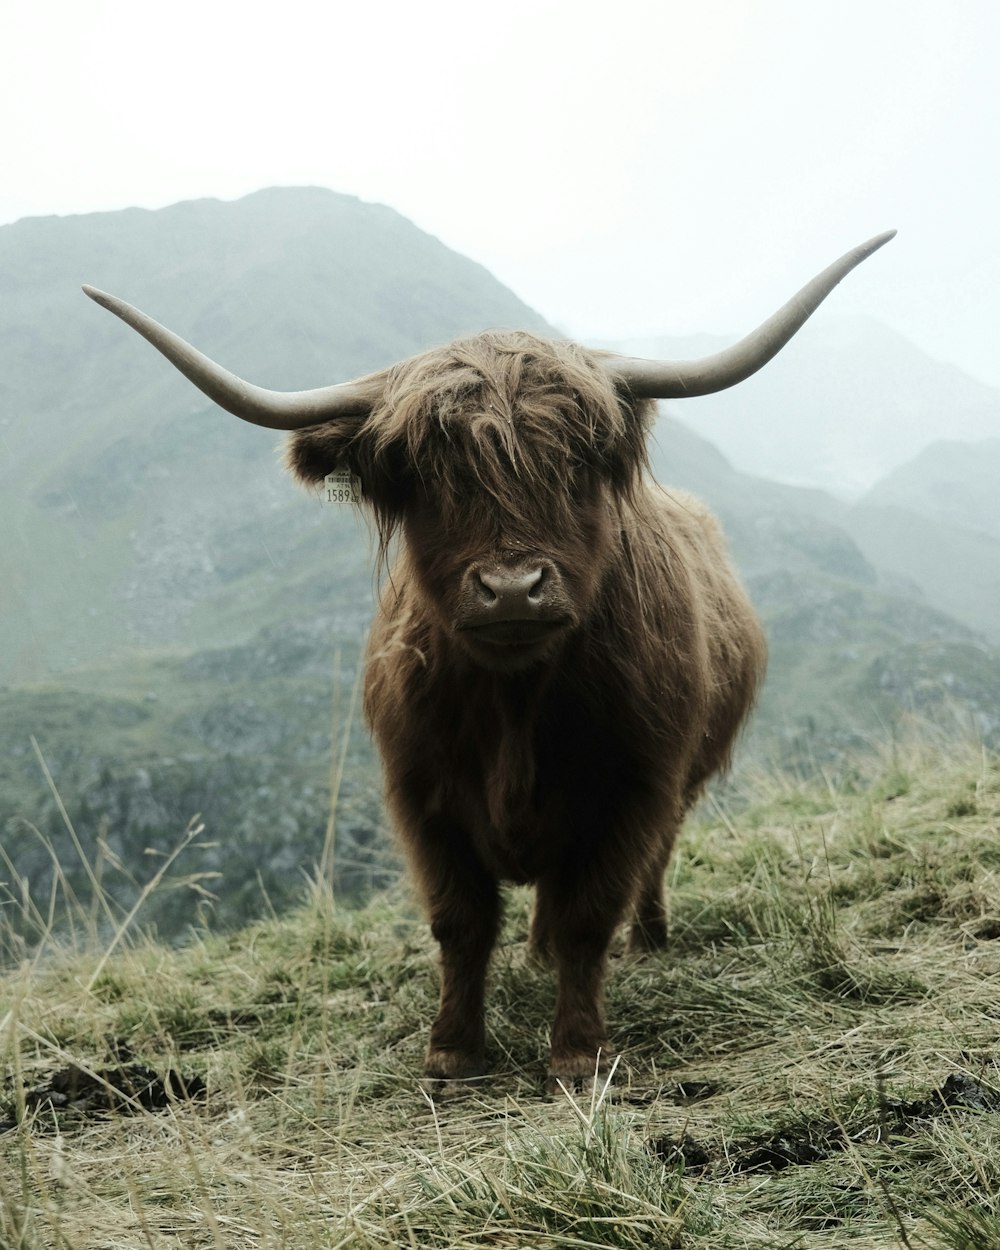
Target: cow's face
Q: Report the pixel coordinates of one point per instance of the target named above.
(504, 460)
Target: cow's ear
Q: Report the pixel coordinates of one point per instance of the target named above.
(314, 452)
(350, 443)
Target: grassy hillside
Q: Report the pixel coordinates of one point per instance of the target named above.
(812, 1064)
(252, 740)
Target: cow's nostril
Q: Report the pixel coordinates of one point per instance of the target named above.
(520, 587)
(486, 591)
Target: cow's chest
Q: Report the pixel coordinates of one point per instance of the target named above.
(529, 785)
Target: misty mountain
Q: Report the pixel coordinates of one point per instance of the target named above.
(918, 534)
(955, 569)
(844, 404)
(860, 633)
(181, 627)
(954, 483)
(134, 512)
(936, 522)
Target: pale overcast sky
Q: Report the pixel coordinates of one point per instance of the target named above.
(627, 168)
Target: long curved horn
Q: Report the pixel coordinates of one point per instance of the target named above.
(649, 379)
(276, 410)
(677, 379)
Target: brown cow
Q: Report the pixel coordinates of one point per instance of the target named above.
(562, 656)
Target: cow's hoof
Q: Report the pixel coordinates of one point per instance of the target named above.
(582, 1076)
(438, 1090)
(444, 1069)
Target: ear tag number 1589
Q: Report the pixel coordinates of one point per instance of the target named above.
(342, 486)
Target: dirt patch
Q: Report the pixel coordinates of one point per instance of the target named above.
(813, 1141)
(123, 1090)
(682, 1094)
(960, 1090)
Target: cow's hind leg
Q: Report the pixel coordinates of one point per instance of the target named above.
(463, 902)
(649, 920)
(649, 916)
(649, 924)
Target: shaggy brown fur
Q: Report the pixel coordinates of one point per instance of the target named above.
(560, 740)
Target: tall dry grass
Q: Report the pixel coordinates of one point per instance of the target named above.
(834, 961)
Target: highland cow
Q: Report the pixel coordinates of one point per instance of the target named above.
(562, 656)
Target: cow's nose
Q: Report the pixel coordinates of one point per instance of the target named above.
(504, 594)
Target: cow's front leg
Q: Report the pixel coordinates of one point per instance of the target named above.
(464, 905)
(578, 924)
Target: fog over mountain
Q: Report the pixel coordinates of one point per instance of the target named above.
(138, 514)
(957, 483)
(844, 404)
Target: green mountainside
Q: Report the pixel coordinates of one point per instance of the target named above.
(956, 569)
(180, 627)
(936, 521)
(856, 644)
(133, 510)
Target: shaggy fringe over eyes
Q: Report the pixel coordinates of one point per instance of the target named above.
(510, 415)
(506, 424)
